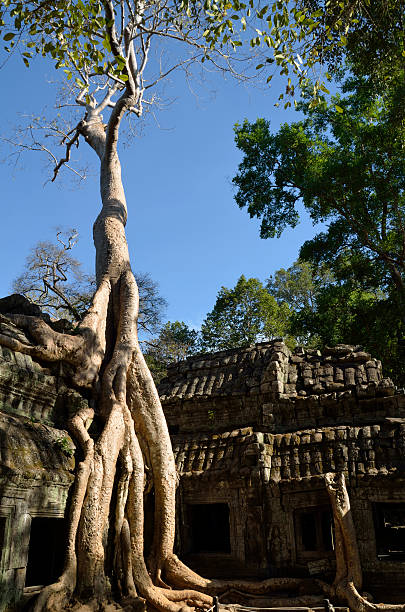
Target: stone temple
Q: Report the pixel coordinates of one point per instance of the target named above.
(254, 430)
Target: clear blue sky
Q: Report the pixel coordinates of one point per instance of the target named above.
(184, 227)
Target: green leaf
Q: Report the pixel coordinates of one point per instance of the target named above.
(338, 108)
(106, 44)
(8, 36)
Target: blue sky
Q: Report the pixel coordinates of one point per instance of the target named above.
(184, 227)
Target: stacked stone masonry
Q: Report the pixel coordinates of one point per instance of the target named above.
(258, 428)
(254, 431)
(36, 469)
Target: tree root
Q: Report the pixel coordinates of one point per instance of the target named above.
(180, 576)
(130, 406)
(272, 602)
(102, 560)
(348, 581)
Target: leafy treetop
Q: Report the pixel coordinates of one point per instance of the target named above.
(345, 161)
(111, 39)
(243, 315)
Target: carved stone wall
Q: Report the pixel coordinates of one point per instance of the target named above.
(254, 430)
(36, 461)
(259, 427)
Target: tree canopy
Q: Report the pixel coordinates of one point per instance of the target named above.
(243, 315)
(90, 39)
(345, 162)
(175, 342)
(299, 285)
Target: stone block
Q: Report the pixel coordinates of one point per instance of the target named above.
(277, 386)
(349, 377)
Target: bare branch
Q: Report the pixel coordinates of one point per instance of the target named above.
(64, 160)
(175, 67)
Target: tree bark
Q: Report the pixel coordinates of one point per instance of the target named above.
(105, 548)
(348, 581)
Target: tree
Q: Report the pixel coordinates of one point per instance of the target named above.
(54, 280)
(299, 285)
(357, 308)
(372, 37)
(298, 288)
(175, 342)
(345, 161)
(243, 315)
(104, 48)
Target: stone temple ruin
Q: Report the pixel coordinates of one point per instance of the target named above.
(254, 430)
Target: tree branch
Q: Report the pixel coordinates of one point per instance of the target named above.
(64, 160)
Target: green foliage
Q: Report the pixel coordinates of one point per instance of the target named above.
(63, 444)
(347, 168)
(299, 288)
(346, 303)
(80, 36)
(175, 342)
(75, 35)
(373, 34)
(347, 313)
(243, 315)
(345, 162)
(299, 285)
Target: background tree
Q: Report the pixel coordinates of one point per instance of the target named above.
(106, 49)
(152, 305)
(369, 36)
(54, 280)
(359, 307)
(175, 342)
(299, 285)
(345, 162)
(243, 315)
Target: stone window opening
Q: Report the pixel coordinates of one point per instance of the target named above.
(314, 533)
(389, 523)
(209, 528)
(46, 550)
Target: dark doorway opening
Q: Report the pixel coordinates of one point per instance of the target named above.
(210, 530)
(389, 521)
(314, 531)
(46, 551)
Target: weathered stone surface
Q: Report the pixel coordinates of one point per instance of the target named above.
(254, 431)
(267, 368)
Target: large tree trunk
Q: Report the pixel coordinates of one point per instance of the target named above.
(105, 549)
(348, 581)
